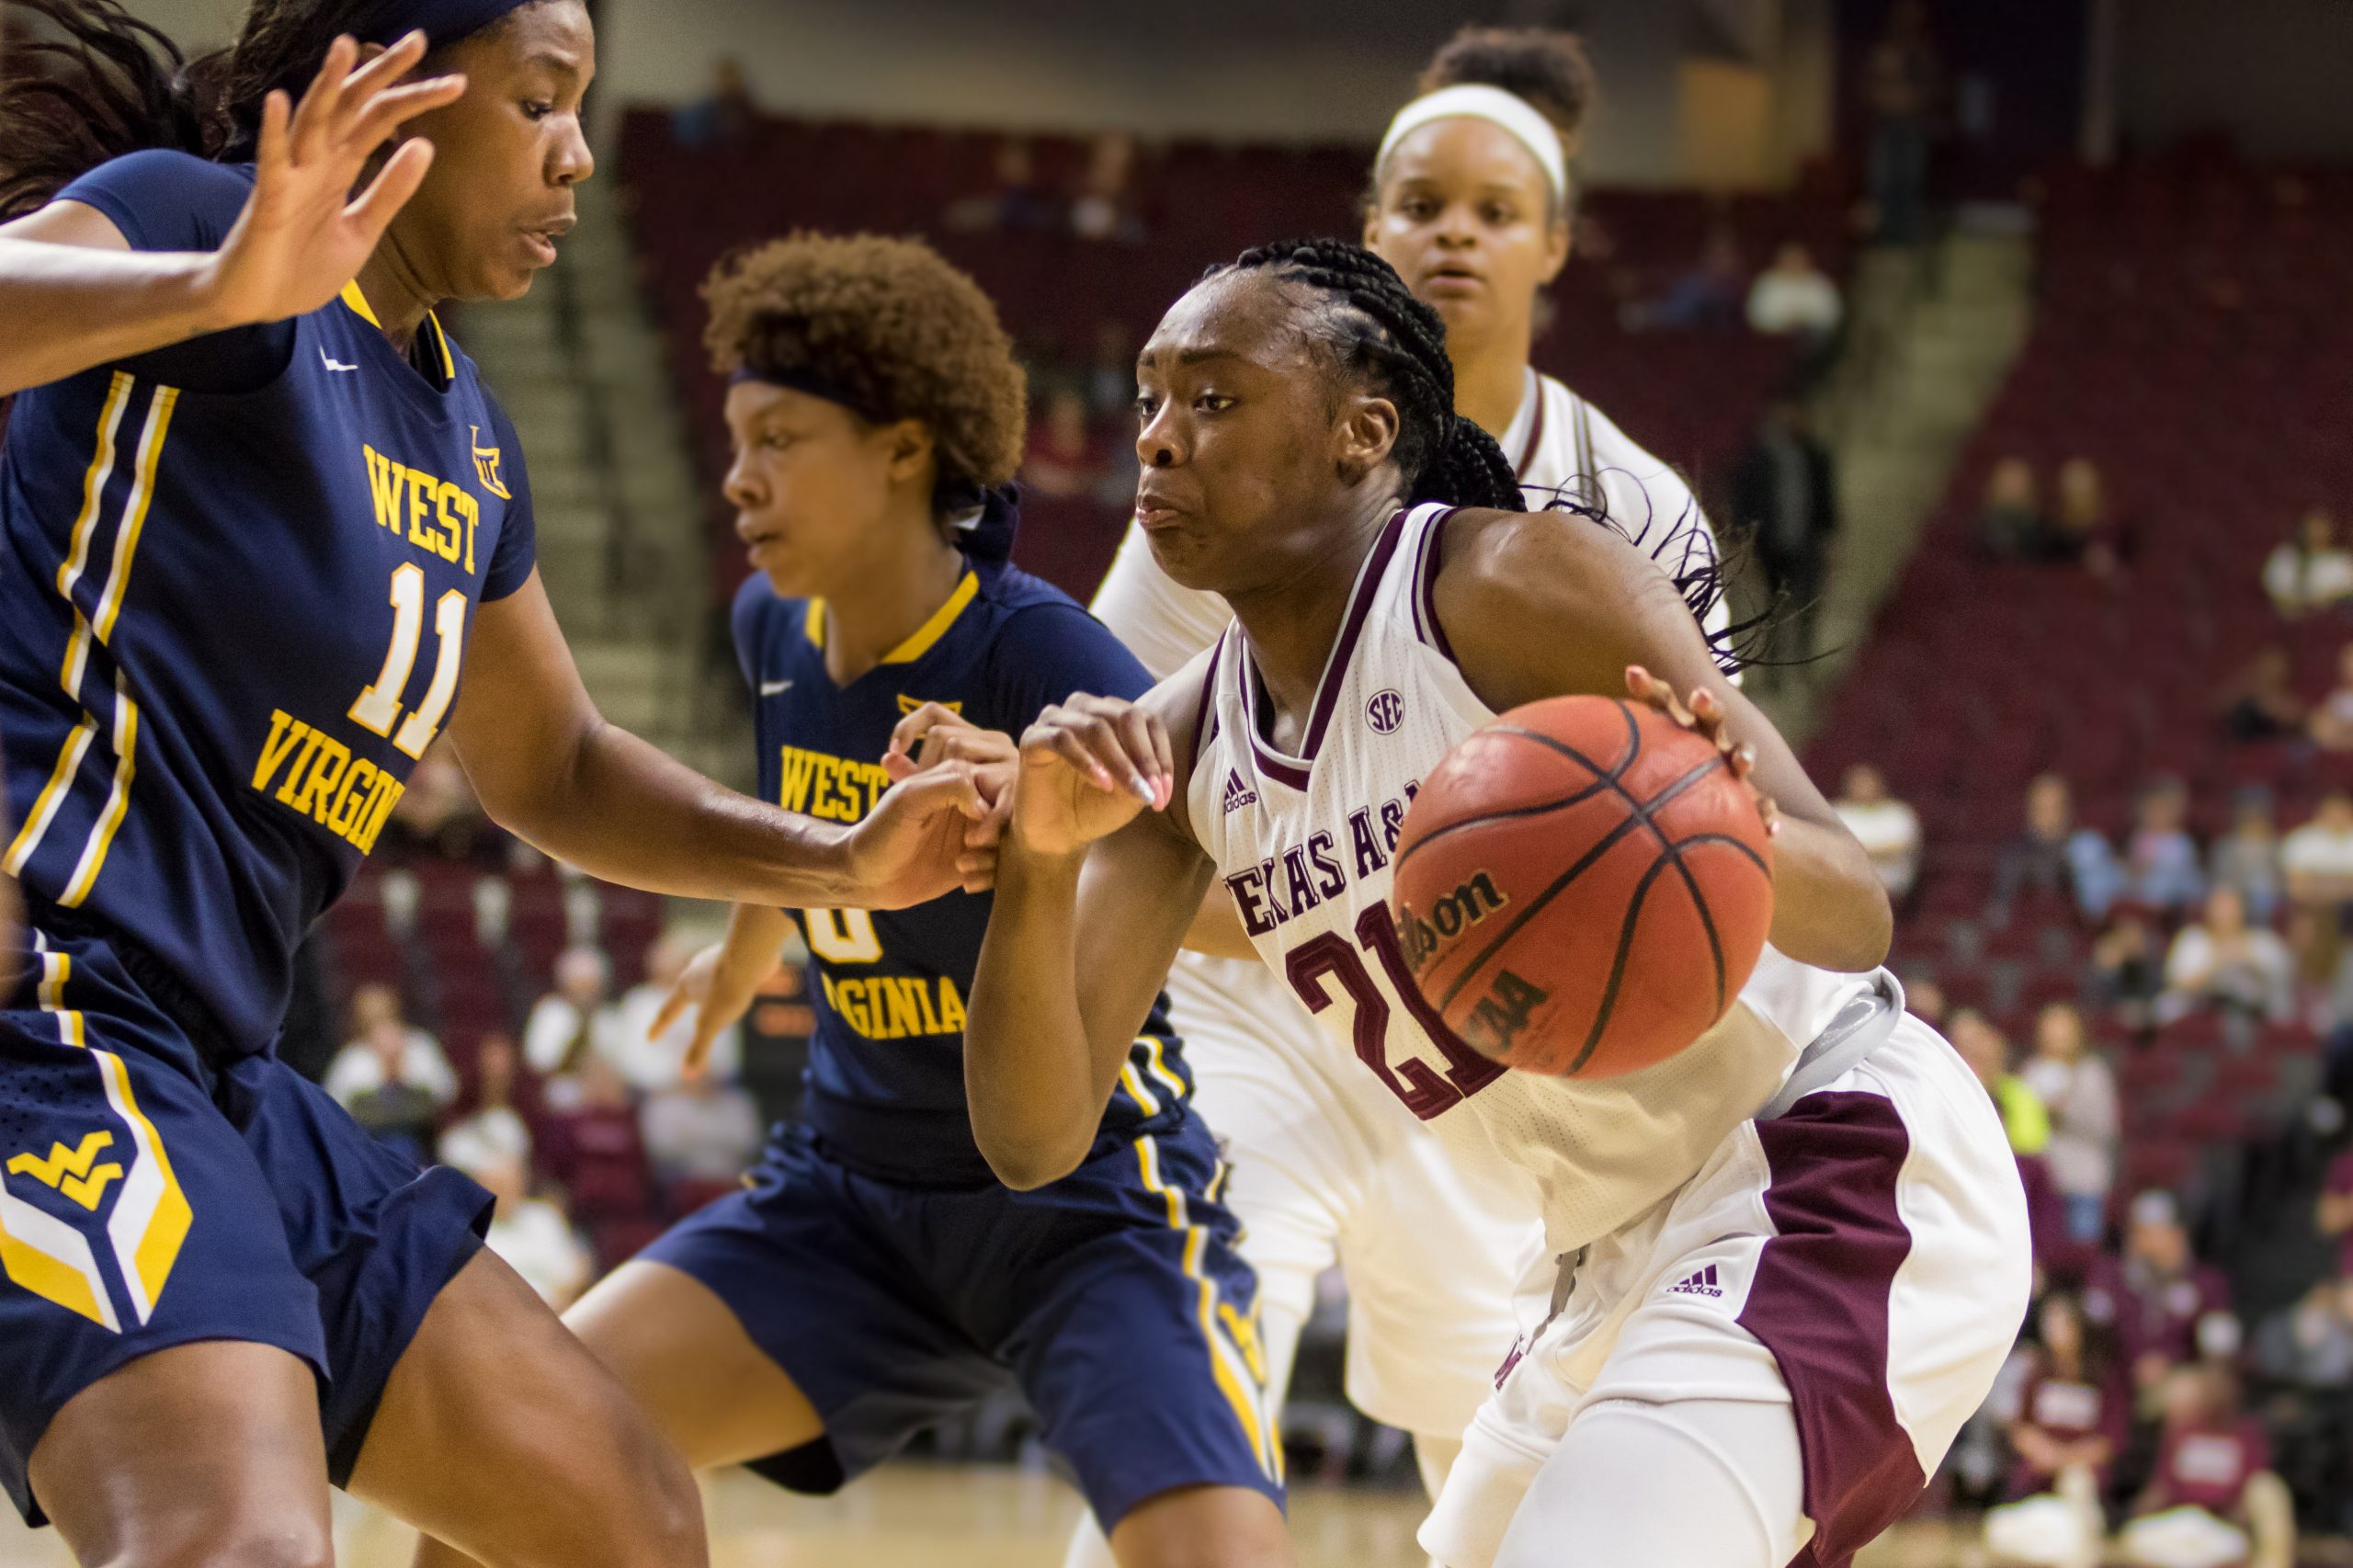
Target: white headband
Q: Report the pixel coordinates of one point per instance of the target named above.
(1476, 100)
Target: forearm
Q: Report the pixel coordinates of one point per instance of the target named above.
(621, 810)
(1035, 1082)
(71, 307)
(1829, 907)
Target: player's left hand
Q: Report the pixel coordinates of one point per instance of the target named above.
(1704, 716)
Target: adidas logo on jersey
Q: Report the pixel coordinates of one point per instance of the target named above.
(1700, 1284)
(1237, 793)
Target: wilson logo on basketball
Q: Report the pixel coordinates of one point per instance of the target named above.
(1384, 710)
(1468, 904)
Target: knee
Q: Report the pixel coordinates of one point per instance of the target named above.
(236, 1543)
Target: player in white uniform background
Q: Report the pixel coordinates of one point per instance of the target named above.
(1469, 201)
(1787, 1262)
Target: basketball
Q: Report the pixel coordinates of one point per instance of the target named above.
(1583, 887)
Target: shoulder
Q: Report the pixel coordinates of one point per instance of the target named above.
(166, 200)
(1045, 638)
(1513, 565)
(758, 612)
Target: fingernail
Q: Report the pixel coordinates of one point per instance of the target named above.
(1102, 777)
(1148, 794)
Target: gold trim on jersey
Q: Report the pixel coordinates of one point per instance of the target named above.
(359, 305)
(68, 758)
(134, 516)
(921, 641)
(102, 832)
(1235, 1360)
(77, 558)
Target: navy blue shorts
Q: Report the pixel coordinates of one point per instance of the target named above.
(1113, 1298)
(148, 1199)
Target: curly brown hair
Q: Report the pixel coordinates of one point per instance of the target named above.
(1546, 67)
(902, 333)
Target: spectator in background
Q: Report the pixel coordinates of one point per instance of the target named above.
(1064, 459)
(2330, 722)
(2126, 972)
(386, 1048)
(1708, 293)
(495, 1128)
(2222, 962)
(1889, 830)
(594, 1147)
(2261, 703)
(2011, 518)
(1785, 494)
(2310, 571)
(2317, 857)
(2074, 1085)
(2212, 1498)
(2054, 857)
(1104, 209)
(2161, 868)
(1017, 205)
(2333, 1216)
(1795, 298)
(2081, 529)
(2075, 1418)
(701, 1129)
(533, 1235)
(2247, 858)
(1903, 80)
(726, 114)
(389, 1091)
(1981, 1045)
(2310, 1345)
(1924, 998)
(648, 1061)
(572, 1023)
(2156, 1296)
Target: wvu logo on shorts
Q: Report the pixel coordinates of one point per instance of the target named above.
(69, 1170)
(486, 465)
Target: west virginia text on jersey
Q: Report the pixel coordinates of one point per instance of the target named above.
(886, 1074)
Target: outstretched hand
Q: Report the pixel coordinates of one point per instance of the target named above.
(1704, 716)
(719, 991)
(304, 235)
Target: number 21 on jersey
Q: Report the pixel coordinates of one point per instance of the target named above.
(379, 705)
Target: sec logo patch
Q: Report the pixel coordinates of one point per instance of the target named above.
(1384, 711)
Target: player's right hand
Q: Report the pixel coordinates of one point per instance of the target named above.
(303, 235)
(1088, 765)
(719, 991)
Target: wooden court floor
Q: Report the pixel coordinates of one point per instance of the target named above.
(925, 1516)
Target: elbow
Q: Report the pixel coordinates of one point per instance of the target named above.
(1027, 1164)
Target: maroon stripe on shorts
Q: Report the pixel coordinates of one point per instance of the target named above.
(1819, 1302)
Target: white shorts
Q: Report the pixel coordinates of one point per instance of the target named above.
(1862, 1259)
(1328, 1168)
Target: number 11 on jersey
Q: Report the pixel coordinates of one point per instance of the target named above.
(381, 703)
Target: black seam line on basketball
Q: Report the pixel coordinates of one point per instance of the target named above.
(1638, 816)
(1604, 778)
(1674, 857)
(1608, 1004)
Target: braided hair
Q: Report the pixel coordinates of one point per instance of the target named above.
(1377, 329)
(1373, 327)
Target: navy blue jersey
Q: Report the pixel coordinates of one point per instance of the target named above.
(886, 1066)
(236, 580)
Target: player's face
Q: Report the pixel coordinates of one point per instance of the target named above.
(1241, 440)
(505, 157)
(809, 483)
(1464, 214)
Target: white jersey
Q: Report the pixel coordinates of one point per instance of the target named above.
(1304, 845)
(1558, 444)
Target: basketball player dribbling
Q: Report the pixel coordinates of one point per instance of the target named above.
(872, 1278)
(1469, 201)
(1783, 1266)
(257, 516)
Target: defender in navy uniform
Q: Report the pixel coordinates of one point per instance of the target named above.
(255, 519)
(873, 1277)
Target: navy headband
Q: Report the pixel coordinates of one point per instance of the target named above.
(985, 518)
(442, 21)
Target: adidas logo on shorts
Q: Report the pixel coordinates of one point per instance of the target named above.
(1700, 1284)
(1237, 793)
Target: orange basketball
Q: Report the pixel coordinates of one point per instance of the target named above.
(1583, 887)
